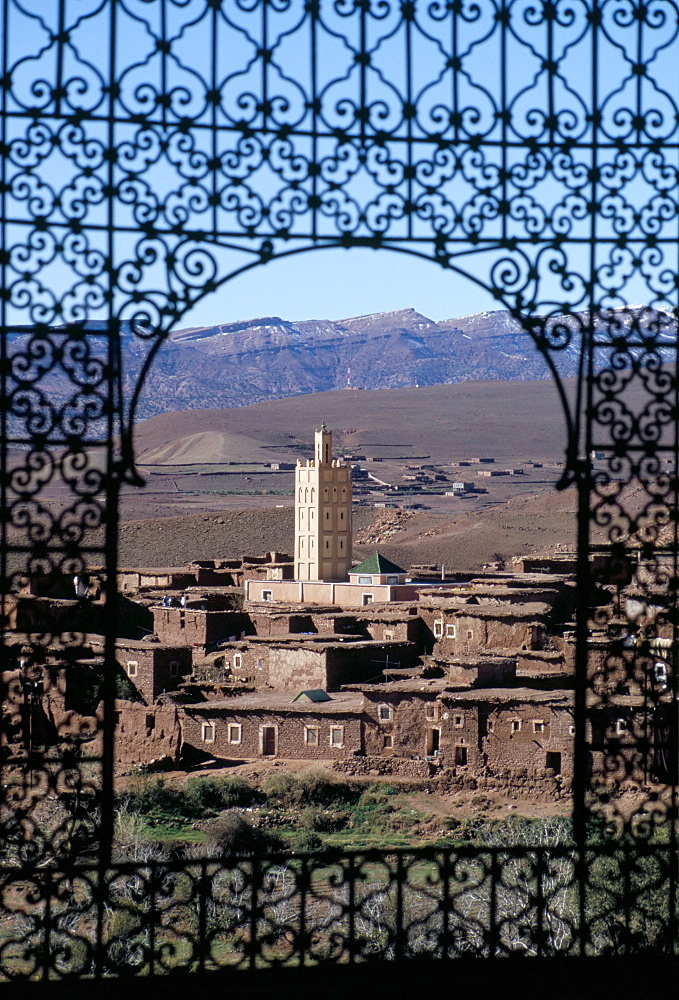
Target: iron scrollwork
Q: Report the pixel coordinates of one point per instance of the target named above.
(152, 151)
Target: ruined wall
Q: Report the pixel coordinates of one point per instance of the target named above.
(239, 733)
(144, 734)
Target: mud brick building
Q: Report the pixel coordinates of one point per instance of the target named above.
(273, 725)
(135, 579)
(39, 709)
(502, 735)
(197, 626)
(524, 733)
(54, 615)
(480, 671)
(153, 667)
(640, 739)
(455, 629)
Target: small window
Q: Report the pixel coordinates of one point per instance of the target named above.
(458, 721)
(392, 580)
(260, 664)
(336, 736)
(174, 668)
(387, 742)
(460, 756)
(571, 730)
(366, 599)
(385, 713)
(341, 544)
(311, 736)
(208, 732)
(620, 726)
(438, 629)
(451, 631)
(237, 660)
(431, 712)
(538, 726)
(132, 666)
(341, 515)
(150, 721)
(470, 634)
(388, 634)
(516, 725)
(267, 595)
(365, 579)
(235, 732)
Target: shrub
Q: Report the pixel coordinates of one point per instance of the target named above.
(309, 841)
(153, 795)
(233, 835)
(311, 788)
(211, 795)
(323, 820)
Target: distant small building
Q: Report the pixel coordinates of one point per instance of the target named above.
(377, 569)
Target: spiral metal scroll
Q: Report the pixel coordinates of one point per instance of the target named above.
(151, 150)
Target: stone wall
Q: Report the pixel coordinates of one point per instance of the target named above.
(237, 733)
(522, 738)
(382, 766)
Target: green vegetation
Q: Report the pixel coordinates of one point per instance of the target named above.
(311, 811)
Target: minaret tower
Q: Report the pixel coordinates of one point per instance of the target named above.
(322, 514)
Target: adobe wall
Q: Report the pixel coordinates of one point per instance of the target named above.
(353, 663)
(409, 727)
(153, 668)
(476, 633)
(542, 729)
(481, 672)
(295, 669)
(145, 733)
(196, 627)
(538, 663)
(52, 615)
(291, 741)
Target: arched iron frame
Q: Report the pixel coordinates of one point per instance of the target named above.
(154, 149)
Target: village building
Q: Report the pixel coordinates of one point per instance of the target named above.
(151, 667)
(455, 629)
(276, 725)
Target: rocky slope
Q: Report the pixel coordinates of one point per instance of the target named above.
(237, 364)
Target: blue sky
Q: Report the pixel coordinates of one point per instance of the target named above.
(336, 284)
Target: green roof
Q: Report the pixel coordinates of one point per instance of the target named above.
(313, 694)
(377, 563)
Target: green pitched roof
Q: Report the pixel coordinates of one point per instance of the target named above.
(313, 694)
(377, 563)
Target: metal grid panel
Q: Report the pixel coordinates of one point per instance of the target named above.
(153, 150)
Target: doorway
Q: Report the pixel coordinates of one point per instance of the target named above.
(433, 741)
(269, 741)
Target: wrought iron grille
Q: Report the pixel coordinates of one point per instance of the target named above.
(154, 149)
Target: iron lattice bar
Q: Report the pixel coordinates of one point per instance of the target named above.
(530, 148)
